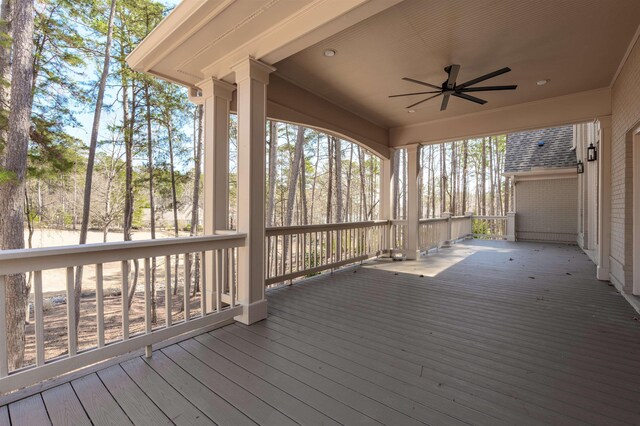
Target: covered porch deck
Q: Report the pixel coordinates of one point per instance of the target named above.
(484, 332)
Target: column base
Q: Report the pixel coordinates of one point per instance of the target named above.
(602, 273)
(253, 313)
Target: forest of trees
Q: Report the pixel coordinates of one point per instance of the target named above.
(62, 61)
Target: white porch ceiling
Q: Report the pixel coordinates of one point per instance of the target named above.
(577, 44)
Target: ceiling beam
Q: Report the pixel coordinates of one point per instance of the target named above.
(552, 112)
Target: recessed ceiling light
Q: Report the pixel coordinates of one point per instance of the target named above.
(329, 53)
(542, 82)
(411, 111)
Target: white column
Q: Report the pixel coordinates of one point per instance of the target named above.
(470, 223)
(604, 205)
(413, 205)
(447, 242)
(216, 97)
(252, 78)
(386, 192)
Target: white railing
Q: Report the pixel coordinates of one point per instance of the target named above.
(460, 227)
(297, 251)
(398, 231)
(490, 227)
(432, 232)
(133, 335)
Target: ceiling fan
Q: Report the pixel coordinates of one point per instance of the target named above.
(450, 88)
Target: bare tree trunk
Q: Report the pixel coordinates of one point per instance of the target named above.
(5, 72)
(339, 201)
(128, 124)
(348, 213)
(315, 178)
(396, 185)
(196, 191)
(303, 189)
(273, 147)
(483, 178)
(84, 226)
(363, 190)
(454, 178)
(152, 201)
(465, 174)
(174, 201)
(15, 163)
(492, 189)
(295, 174)
(443, 178)
(329, 178)
(75, 196)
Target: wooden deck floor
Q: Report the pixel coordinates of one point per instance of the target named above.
(484, 333)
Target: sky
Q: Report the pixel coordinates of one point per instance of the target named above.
(111, 113)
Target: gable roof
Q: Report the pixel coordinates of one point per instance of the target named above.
(545, 148)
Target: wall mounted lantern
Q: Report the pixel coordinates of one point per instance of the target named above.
(580, 167)
(592, 155)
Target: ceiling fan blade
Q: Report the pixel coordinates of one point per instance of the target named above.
(487, 88)
(484, 77)
(414, 93)
(445, 101)
(470, 98)
(421, 82)
(424, 100)
(452, 70)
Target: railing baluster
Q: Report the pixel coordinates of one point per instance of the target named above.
(37, 307)
(203, 285)
(187, 286)
(125, 300)
(100, 304)
(4, 353)
(72, 336)
(167, 290)
(232, 287)
(217, 276)
(148, 350)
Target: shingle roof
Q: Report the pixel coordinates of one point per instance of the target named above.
(547, 148)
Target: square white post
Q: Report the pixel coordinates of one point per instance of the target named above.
(413, 203)
(447, 242)
(252, 78)
(469, 224)
(511, 226)
(216, 97)
(386, 196)
(604, 206)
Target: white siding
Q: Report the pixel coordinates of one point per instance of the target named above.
(625, 116)
(547, 210)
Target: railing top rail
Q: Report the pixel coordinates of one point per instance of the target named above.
(433, 219)
(489, 217)
(26, 260)
(301, 229)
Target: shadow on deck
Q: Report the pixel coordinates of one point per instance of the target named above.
(483, 333)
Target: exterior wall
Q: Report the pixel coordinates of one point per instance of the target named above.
(547, 210)
(625, 117)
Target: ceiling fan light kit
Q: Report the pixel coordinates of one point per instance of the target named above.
(451, 88)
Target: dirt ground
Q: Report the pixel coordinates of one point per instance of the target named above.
(55, 318)
(55, 307)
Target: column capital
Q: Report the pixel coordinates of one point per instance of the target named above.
(214, 87)
(252, 68)
(604, 120)
(412, 147)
